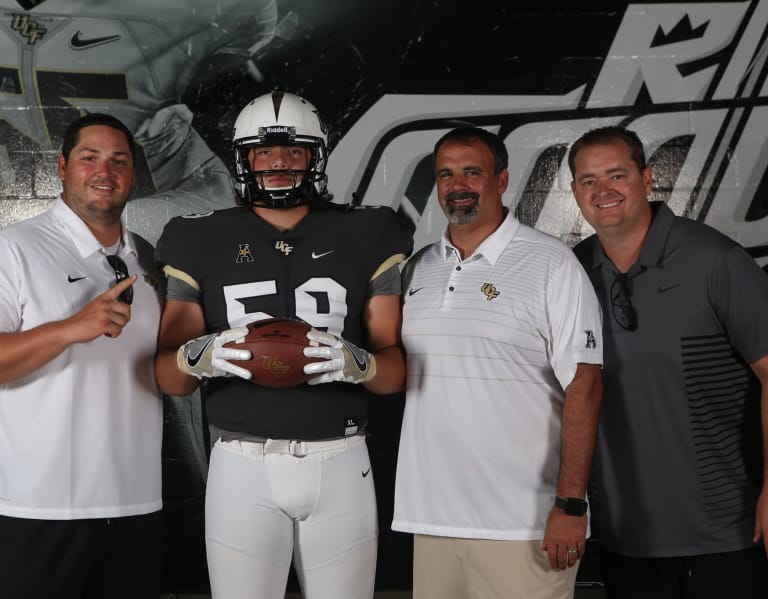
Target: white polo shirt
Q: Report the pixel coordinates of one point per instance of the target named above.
(492, 341)
(81, 436)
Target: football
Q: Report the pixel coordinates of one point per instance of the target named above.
(276, 346)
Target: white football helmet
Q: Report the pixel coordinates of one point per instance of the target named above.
(280, 119)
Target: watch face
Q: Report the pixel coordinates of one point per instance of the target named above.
(572, 506)
(576, 507)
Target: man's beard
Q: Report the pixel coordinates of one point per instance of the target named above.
(461, 215)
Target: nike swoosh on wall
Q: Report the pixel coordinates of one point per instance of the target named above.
(81, 43)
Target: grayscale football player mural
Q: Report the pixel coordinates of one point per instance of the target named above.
(390, 77)
(60, 58)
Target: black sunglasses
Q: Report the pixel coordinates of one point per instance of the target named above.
(624, 312)
(121, 272)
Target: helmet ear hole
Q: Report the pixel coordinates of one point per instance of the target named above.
(279, 119)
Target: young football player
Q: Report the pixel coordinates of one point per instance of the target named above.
(289, 475)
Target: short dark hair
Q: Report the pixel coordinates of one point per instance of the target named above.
(72, 135)
(465, 135)
(605, 135)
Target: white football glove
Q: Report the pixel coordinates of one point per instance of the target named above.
(205, 356)
(344, 361)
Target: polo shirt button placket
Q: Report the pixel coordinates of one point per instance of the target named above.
(451, 285)
(451, 278)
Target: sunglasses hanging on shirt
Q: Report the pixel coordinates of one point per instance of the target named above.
(121, 272)
(624, 312)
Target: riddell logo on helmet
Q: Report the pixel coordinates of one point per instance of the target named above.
(277, 130)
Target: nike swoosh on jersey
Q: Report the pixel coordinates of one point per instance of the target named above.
(81, 43)
(366, 472)
(413, 291)
(316, 256)
(72, 279)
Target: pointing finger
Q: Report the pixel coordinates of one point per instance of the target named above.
(114, 292)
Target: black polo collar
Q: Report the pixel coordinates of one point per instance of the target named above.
(654, 244)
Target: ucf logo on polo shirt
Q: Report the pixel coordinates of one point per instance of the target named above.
(490, 291)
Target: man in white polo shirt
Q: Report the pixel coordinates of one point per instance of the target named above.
(80, 412)
(503, 335)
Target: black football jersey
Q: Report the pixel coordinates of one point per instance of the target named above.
(319, 271)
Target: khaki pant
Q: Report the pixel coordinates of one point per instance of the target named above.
(450, 568)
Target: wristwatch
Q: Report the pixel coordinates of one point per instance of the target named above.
(572, 506)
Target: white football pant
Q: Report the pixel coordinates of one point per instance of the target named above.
(267, 503)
